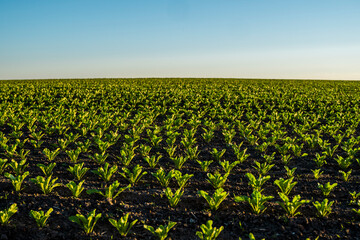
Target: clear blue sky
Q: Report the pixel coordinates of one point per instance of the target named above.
(180, 38)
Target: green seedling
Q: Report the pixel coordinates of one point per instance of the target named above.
(51, 154)
(162, 177)
(76, 189)
(327, 188)
(208, 232)
(122, 225)
(133, 176)
(216, 199)
(111, 192)
(292, 206)
(204, 165)
(162, 231)
(174, 198)
(324, 208)
(227, 167)
(6, 214)
(46, 184)
(153, 160)
(47, 169)
(40, 217)
(87, 223)
(217, 180)
(285, 185)
(105, 173)
(17, 181)
(182, 179)
(257, 201)
(256, 183)
(78, 171)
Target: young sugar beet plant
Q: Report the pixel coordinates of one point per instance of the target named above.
(78, 171)
(326, 188)
(162, 177)
(162, 231)
(76, 189)
(123, 225)
(324, 207)
(111, 192)
(40, 217)
(217, 180)
(285, 185)
(182, 179)
(216, 199)
(87, 223)
(292, 206)
(17, 181)
(134, 175)
(106, 172)
(256, 201)
(47, 169)
(174, 197)
(6, 214)
(208, 232)
(46, 184)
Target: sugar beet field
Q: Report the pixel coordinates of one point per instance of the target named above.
(179, 159)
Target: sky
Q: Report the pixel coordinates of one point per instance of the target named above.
(286, 39)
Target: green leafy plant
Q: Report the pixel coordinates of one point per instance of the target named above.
(111, 192)
(40, 217)
(51, 154)
(17, 181)
(354, 198)
(217, 155)
(3, 165)
(317, 173)
(134, 175)
(182, 179)
(292, 206)
(46, 184)
(74, 154)
(345, 175)
(263, 168)
(123, 225)
(323, 208)
(256, 183)
(320, 160)
(153, 160)
(326, 188)
(78, 171)
(127, 154)
(100, 158)
(174, 198)
(208, 232)
(18, 167)
(6, 214)
(87, 223)
(163, 177)
(46, 169)
(162, 231)
(257, 201)
(76, 189)
(217, 180)
(204, 164)
(105, 173)
(343, 163)
(285, 185)
(179, 161)
(216, 199)
(227, 166)
(290, 172)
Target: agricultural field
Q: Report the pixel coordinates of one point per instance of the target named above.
(179, 159)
